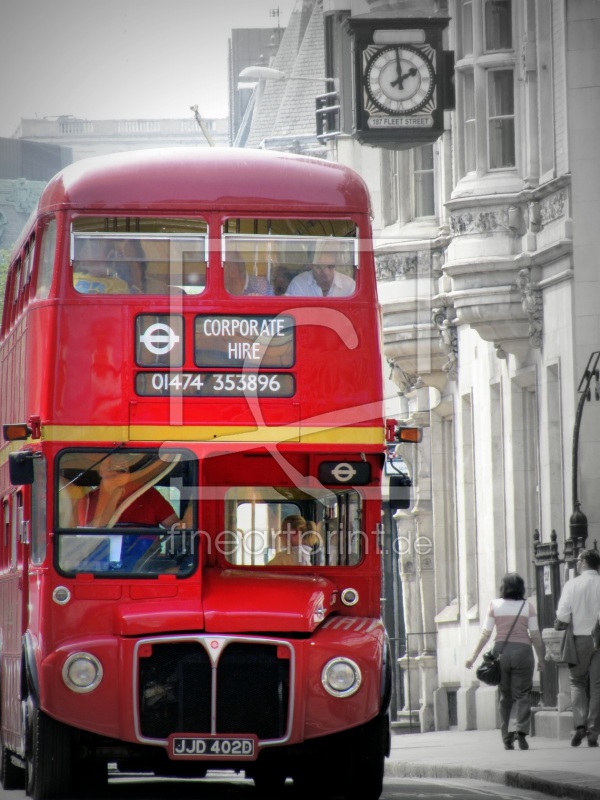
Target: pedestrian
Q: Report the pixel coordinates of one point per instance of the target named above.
(511, 613)
(580, 603)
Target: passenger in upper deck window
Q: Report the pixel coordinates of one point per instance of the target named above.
(282, 277)
(108, 268)
(323, 279)
(237, 280)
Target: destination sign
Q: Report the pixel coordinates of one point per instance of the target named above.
(214, 384)
(244, 341)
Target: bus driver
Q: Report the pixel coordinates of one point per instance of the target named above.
(117, 484)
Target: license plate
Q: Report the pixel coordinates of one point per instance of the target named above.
(231, 747)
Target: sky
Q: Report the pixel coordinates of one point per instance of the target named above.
(121, 59)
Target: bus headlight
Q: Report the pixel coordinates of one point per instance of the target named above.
(82, 672)
(341, 677)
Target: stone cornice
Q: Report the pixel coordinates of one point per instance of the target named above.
(509, 213)
(521, 197)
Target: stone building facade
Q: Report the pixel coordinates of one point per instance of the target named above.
(95, 137)
(490, 286)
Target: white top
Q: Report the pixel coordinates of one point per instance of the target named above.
(304, 285)
(581, 598)
(502, 612)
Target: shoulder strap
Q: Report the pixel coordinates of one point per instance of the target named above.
(514, 623)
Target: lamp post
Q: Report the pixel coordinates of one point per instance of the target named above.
(578, 521)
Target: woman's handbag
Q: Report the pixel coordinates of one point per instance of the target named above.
(489, 669)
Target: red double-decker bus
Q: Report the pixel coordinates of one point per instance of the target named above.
(191, 401)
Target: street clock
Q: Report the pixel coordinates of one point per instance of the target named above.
(402, 80)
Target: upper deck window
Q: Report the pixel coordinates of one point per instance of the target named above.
(46, 263)
(139, 256)
(298, 258)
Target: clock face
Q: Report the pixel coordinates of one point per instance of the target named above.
(400, 79)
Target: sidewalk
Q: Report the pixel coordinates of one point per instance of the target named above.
(550, 766)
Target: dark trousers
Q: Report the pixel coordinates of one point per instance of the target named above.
(585, 685)
(516, 667)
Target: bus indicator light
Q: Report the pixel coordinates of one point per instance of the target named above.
(402, 433)
(16, 432)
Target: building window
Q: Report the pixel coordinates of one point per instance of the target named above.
(423, 185)
(391, 183)
(501, 119)
(408, 185)
(469, 128)
(467, 28)
(486, 122)
(498, 25)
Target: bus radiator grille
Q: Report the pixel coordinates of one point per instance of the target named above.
(251, 690)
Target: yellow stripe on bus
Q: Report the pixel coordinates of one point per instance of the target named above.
(200, 433)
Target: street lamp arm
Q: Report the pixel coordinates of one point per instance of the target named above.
(265, 73)
(257, 73)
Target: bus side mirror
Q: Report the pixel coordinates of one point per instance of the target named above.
(400, 492)
(20, 468)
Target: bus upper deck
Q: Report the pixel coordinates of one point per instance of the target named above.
(162, 276)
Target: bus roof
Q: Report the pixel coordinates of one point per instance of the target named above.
(192, 179)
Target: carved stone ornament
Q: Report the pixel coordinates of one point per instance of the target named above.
(500, 351)
(395, 266)
(448, 340)
(494, 220)
(553, 207)
(405, 381)
(533, 306)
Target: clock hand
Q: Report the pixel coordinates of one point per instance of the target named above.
(401, 78)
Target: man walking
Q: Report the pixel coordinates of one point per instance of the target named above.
(580, 600)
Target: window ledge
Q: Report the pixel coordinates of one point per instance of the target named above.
(449, 614)
(474, 185)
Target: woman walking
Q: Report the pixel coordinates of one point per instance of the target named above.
(512, 610)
